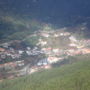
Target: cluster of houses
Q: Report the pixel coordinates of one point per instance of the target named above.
(75, 47)
(53, 55)
(55, 33)
(17, 54)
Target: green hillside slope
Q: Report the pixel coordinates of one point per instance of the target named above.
(69, 77)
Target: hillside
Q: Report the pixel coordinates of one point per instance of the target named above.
(44, 44)
(68, 77)
(16, 27)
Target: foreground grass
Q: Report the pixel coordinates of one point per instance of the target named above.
(69, 77)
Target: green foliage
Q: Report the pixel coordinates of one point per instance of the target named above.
(75, 76)
(32, 41)
(12, 27)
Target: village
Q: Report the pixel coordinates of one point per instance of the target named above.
(13, 63)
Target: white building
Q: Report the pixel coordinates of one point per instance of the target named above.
(45, 35)
(53, 59)
(21, 51)
(28, 52)
(61, 34)
(55, 50)
(56, 35)
(43, 43)
(72, 45)
(66, 34)
(72, 38)
(33, 69)
(28, 48)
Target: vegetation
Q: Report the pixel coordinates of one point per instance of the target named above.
(32, 41)
(75, 76)
(17, 28)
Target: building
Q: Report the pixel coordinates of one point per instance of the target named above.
(56, 50)
(86, 50)
(45, 35)
(33, 69)
(53, 59)
(2, 49)
(73, 39)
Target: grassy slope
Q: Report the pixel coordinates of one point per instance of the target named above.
(70, 77)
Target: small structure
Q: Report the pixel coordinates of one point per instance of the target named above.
(72, 45)
(56, 50)
(53, 59)
(43, 43)
(61, 34)
(21, 51)
(86, 50)
(72, 38)
(48, 66)
(33, 69)
(56, 35)
(45, 35)
(2, 49)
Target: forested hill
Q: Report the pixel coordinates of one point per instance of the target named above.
(29, 15)
(48, 10)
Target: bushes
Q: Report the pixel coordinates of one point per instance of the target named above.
(70, 77)
(32, 41)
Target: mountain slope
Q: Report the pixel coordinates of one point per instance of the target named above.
(70, 77)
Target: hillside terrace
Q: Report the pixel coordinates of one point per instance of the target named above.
(53, 55)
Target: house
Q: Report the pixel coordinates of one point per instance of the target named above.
(61, 34)
(86, 50)
(73, 52)
(3, 56)
(66, 34)
(42, 62)
(28, 48)
(1, 66)
(43, 43)
(9, 65)
(72, 45)
(28, 52)
(45, 35)
(6, 45)
(70, 52)
(56, 50)
(2, 49)
(33, 69)
(80, 46)
(20, 63)
(12, 50)
(47, 66)
(20, 51)
(15, 56)
(8, 54)
(53, 59)
(87, 42)
(73, 39)
(47, 50)
(78, 52)
(56, 35)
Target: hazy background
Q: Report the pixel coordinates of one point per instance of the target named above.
(53, 11)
